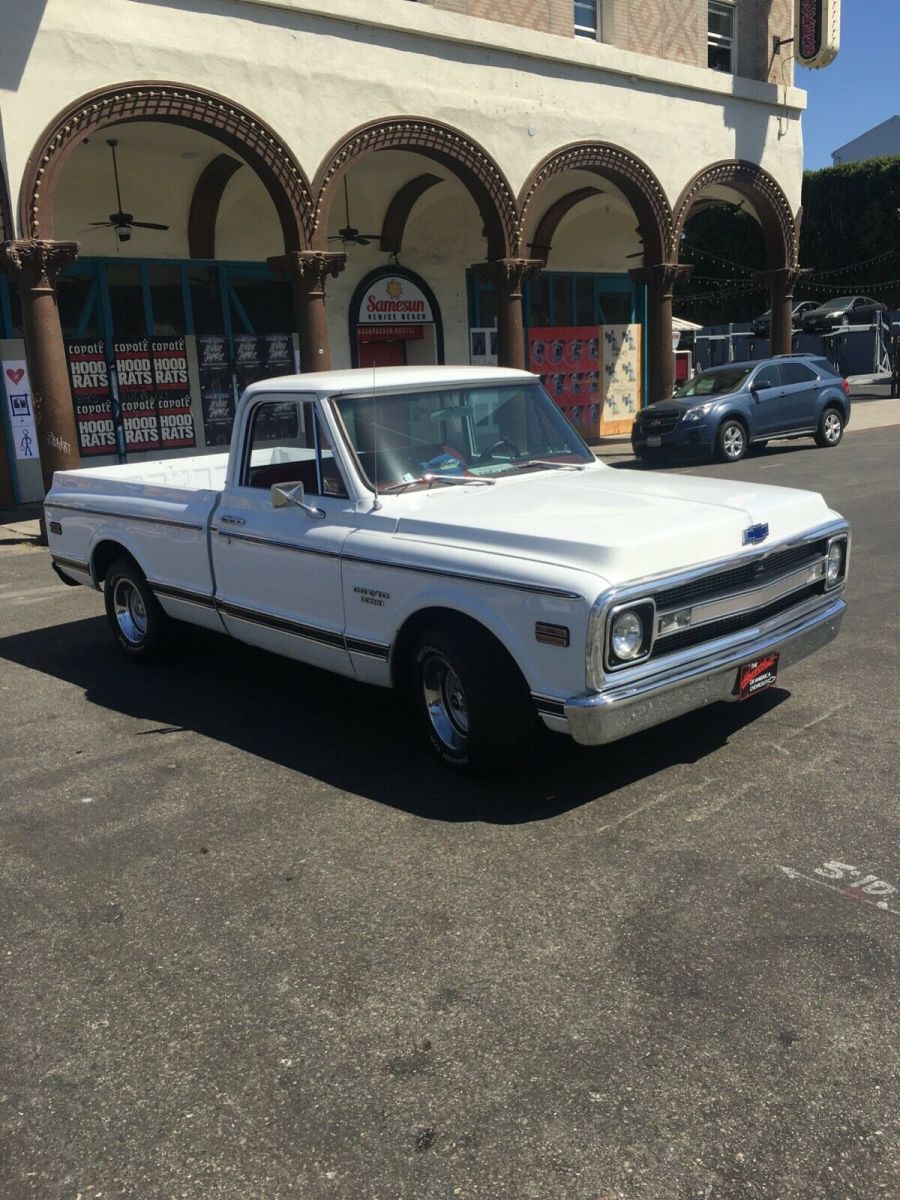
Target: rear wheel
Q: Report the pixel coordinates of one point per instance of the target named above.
(470, 699)
(731, 441)
(138, 622)
(831, 428)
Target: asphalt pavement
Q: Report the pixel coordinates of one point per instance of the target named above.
(257, 944)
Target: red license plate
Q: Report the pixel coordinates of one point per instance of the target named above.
(756, 676)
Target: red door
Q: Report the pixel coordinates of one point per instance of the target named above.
(382, 354)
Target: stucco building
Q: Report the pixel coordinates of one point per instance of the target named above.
(197, 194)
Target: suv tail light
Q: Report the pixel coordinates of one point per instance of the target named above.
(846, 386)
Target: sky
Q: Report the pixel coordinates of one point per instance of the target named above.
(861, 88)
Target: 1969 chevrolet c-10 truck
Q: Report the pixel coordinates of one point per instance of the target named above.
(445, 531)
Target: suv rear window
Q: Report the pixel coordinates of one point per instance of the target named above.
(794, 372)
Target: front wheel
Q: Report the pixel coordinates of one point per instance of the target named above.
(470, 699)
(138, 622)
(731, 441)
(831, 428)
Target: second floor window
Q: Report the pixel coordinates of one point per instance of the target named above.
(586, 18)
(720, 40)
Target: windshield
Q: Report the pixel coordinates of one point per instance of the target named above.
(841, 302)
(400, 439)
(713, 383)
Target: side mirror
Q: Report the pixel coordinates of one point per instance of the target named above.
(284, 494)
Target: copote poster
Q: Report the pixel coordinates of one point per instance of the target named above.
(91, 396)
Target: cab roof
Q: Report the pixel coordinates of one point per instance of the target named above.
(369, 379)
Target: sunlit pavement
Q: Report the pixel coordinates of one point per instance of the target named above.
(256, 944)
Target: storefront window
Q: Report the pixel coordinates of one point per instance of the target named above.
(126, 300)
(562, 300)
(584, 300)
(167, 299)
(614, 308)
(263, 304)
(539, 301)
(76, 301)
(205, 300)
(10, 309)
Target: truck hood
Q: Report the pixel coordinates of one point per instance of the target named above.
(619, 524)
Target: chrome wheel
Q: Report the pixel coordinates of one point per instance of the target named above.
(130, 613)
(733, 441)
(445, 701)
(831, 428)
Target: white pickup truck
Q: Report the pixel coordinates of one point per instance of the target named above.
(444, 530)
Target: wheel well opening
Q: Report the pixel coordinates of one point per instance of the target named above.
(405, 641)
(104, 555)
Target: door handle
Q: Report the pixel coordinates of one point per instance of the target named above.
(232, 521)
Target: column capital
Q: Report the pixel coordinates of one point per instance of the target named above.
(785, 279)
(37, 262)
(661, 277)
(308, 268)
(508, 273)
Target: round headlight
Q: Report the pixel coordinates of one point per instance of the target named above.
(833, 563)
(627, 635)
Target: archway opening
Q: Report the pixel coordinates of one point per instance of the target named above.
(585, 315)
(414, 229)
(171, 308)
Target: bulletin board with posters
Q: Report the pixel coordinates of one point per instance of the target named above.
(568, 360)
(620, 349)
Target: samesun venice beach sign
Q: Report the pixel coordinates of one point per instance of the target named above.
(817, 32)
(393, 301)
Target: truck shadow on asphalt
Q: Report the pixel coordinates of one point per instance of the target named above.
(353, 737)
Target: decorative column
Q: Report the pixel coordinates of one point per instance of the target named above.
(660, 280)
(36, 264)
(307, 271)
(781, 283)
(508, 276)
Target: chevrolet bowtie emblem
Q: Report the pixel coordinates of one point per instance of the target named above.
(755, 534)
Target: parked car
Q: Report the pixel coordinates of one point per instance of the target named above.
(762, 324)
(843, 310)
(444, 531)
(725, 410)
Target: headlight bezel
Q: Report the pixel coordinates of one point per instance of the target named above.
(645, 609)
(842, 542)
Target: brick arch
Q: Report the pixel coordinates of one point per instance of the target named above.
(633, 178)
(475, 169)
(235, 127)
(764, 193)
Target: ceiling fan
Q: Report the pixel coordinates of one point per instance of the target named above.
(122, 222)
(349, 235)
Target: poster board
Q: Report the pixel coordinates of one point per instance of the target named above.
(622, 375)
(568, 360)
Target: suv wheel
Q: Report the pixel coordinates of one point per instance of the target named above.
(731, 441)
(831, 428)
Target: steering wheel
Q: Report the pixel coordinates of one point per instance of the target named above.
(489, 453)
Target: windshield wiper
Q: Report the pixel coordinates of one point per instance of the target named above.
(431, 480)
(544, 462)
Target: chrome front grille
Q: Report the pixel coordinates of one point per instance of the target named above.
(726, 625)
(737, 598)
(748, 575)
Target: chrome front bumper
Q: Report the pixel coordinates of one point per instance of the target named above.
(600, 717)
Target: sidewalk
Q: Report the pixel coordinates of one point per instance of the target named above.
(872, 409)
